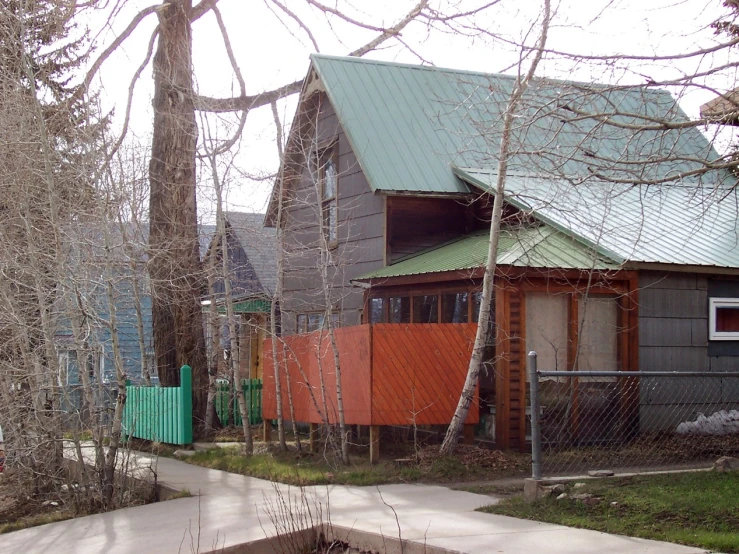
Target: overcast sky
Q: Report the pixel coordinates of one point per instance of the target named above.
(273, 50)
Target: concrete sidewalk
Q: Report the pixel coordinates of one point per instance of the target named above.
(233, 509)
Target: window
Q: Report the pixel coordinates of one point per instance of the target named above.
(328, 178)
(69, 373)
(454, 307)
(723, 319)
(307, 323)
(400, 310)
(598, 334)
(425, 309)
(377, 310)
(476, 302)
(546, 329)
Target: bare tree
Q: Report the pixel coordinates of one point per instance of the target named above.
(476, 361)
(175, 267)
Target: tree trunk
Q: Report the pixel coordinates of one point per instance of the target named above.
(473, 371)
(174, 264)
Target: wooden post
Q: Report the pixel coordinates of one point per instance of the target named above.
(469, 434)
(313, 438)
(186, 404)
(374, 444)
(267, 428)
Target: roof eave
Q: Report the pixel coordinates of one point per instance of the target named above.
(606, 253)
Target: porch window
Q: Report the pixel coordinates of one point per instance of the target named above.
(426, 309)
(454, 307)
(400, 309)
(723, 319)
(546, 329)
(377, 310)
(328, 180)
(476, 303)
(598, 334)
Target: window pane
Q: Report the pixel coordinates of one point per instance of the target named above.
(377, 313)
(400, 310)
(454, 308)
(425, 309)
(315, 322)
(727, 320)
(329, 180)
(598, 336)
(476, 301)
(332, 219)
(302, 323)
(546, 329)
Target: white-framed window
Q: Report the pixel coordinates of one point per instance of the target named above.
(723, 319)
(69, 372)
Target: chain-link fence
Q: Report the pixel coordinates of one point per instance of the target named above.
(630, 421)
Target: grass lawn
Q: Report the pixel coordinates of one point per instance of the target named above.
(469, 464)
(697, 509)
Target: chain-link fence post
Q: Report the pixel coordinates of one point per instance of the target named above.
(535, 411)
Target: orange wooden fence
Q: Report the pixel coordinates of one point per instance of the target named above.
(390, 374)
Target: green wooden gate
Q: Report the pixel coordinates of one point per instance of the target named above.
(252, 391)
(161, 414)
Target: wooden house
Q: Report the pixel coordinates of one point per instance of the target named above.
(252, 273)
(92, 268)
(618, 249)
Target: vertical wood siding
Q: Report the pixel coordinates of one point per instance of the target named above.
(361, 245)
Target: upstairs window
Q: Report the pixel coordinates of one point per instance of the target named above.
(328, 180)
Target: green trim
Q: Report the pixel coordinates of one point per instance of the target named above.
(540, 247)
(249, 306)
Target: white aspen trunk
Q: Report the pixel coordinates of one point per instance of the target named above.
(235, 370)
(277, 298)
(483, 325)
(116, 424)
(215, 343)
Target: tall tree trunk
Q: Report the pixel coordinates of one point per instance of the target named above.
(174, 265)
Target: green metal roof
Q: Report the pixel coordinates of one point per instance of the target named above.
(685, 224)
(249, 306)
(409, 124)
(541, 247)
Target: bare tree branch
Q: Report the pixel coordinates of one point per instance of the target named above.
(245, 103)
(138, 18)
(202, 8)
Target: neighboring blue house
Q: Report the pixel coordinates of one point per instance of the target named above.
(252, 268)
(85, 296)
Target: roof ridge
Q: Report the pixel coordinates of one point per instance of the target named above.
(438, 69)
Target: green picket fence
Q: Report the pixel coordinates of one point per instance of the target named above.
(161, 414)
(252, 391)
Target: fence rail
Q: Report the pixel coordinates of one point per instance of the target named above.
(161, 414)
(252, 391)
(630, 420)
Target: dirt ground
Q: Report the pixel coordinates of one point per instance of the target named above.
(17, 510)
